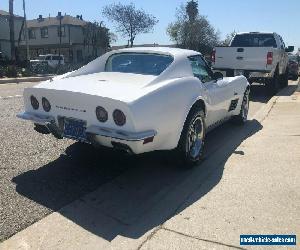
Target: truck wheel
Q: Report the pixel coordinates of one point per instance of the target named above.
(284, 79)
(243, 115)
(191, 143)
(273, 85)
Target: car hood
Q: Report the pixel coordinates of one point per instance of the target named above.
(124, 87)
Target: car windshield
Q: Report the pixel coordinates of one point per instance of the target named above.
(254, 40)
(138, 63)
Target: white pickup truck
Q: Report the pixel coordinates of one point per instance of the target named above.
(261, 57)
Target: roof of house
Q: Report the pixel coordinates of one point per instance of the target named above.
(5, 13)
(54, 21)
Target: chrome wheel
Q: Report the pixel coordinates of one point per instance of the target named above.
(194, 146)
(245, 106)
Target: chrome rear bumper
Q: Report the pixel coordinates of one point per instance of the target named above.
(38, 119)
(57, 131)
(120, 135)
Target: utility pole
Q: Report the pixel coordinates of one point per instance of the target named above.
(26, 33)
(59, 50)
(12, 31)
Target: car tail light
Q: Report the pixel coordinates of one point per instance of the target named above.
(270, 58)
(101, 114)
(213, 56)
(34, 102)
(119, 117)
(46, 104)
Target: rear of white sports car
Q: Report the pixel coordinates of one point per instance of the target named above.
(60, 109)
(106, 102)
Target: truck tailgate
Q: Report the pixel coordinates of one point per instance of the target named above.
(248, 58)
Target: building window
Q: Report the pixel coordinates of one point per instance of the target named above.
(62, 30)
(44, 32)
(31, 34)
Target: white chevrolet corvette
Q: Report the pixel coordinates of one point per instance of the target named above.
(139, 100)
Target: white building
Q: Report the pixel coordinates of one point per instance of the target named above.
(4, 32)
(43, 38)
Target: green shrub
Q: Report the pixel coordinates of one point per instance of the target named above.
(11, 71)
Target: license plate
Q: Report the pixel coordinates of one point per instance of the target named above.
(238, 72)
(74, 129)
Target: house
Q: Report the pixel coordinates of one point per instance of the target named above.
(5, 32)
(44, 38)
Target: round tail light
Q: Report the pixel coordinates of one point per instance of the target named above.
(101, 114)
(34, 102)
(46, 104)
(119, 117)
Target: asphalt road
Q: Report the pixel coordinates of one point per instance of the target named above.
(39, 174)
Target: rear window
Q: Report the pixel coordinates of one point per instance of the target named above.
(254, 40)
(138, 63)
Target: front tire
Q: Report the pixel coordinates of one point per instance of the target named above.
(191, 143)
(243, 115)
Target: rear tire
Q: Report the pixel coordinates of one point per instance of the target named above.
(284, 79)
(295, 78)
(273, 85)
(191, 143)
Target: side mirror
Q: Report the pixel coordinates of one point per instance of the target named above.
(218, 75)
(289, 49)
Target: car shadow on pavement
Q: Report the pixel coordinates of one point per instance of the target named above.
(288, 90)
(260, 94)
(128, 195)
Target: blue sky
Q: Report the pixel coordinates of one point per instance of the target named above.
(226, 16)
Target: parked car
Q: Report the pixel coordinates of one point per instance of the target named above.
(261, 57)
(139, 100)
(51, 60)
(293, 67)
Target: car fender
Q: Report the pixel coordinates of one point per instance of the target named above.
(165, 109)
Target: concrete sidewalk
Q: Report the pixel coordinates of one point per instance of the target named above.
(247, 188)
(25, 79)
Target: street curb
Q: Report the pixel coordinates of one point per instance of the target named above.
(25, 79)
(261, 115)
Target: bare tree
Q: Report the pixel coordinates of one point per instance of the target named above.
(130, 21)
(12, 30)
